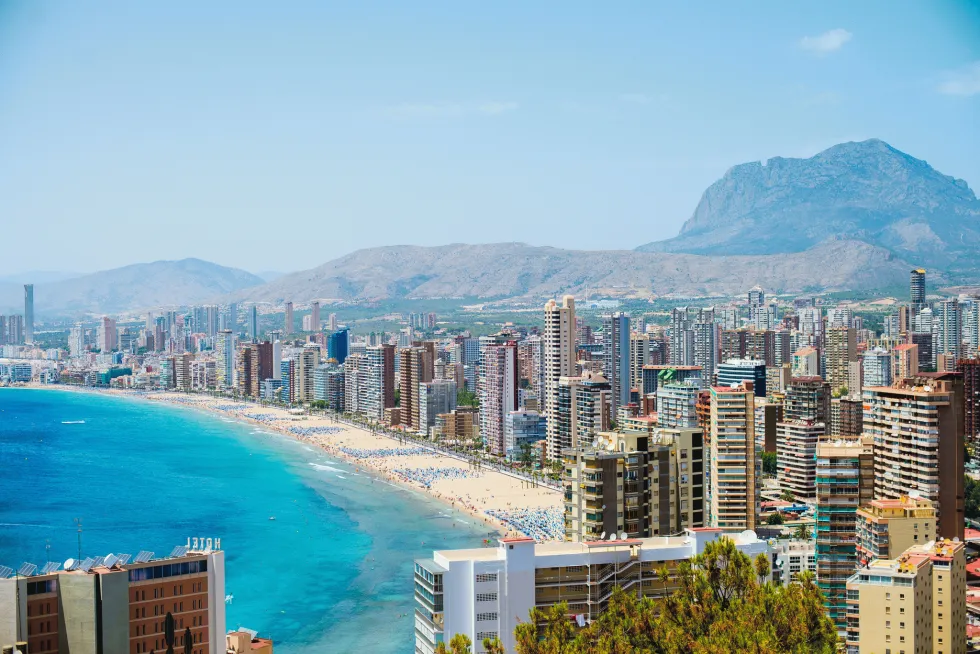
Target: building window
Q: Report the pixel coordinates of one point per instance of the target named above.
(486, 617)
(486, 576)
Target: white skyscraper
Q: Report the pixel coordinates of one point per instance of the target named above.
(877, 367)
(76, 340)
(224, 349)
(559, 361)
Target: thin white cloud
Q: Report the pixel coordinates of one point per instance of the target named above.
(965, 81)
(827, 42)
(408, 110)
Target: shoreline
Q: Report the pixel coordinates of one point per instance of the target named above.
(451, 482)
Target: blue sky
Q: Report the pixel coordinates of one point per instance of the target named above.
(276, 136)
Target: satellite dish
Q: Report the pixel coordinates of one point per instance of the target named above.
(69, 563)
(622, 536)
(612, 536)
(603, 537)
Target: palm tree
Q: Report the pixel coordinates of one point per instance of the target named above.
(527, 457)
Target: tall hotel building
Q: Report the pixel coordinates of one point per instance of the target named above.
(917, 290)
(734, 466)
(918, 432)
(844, 482)
(379, 382)
(498, 393)
(639, 483)
(289, 323)
(224, 349)
(616, 357)
(806, 414)
(111, 604)
(29, 313)
(486, 592)
(315, 317)
(559, 361)
(970, 369)
(416, 366)
(841, 351)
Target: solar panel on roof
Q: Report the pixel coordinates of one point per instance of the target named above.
(71, 564)
(5, 571)
(50, 567)
(97, 561)
(180, 550)
(123, 559)
(110, 560)
(27, 570)
(86, 565)
(143, 557)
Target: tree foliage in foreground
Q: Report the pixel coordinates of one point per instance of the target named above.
(719, 606)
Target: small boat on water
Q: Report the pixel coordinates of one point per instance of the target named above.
(73, 422)
(272, 517)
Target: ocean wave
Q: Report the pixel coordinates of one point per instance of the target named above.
(320, 466)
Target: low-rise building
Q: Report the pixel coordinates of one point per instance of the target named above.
(116, 603)
(485, 592)
(790, 558)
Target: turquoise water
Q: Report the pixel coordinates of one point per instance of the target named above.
(332, 572)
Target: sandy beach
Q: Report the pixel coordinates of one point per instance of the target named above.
(502, 502)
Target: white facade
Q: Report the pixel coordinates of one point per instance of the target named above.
(790, 558)
(559, 361)
(877, 368)
(486, 592)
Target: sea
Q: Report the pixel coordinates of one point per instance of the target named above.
(332, 572)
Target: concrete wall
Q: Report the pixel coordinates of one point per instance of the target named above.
(10, 613)
(77, 614)
(114, 592)
(216, 602)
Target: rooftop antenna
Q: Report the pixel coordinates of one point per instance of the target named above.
(47, 549)
(78, 523)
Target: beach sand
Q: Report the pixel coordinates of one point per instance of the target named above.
(476, 492)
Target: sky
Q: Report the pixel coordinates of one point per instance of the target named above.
(278, 136)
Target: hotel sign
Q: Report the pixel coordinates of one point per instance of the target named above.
(203, 544)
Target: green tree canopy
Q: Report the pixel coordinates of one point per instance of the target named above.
(719, 605)
(972, 498)
(769, 463)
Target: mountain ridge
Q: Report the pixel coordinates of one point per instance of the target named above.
(866, 190)
(518, 270)
(135, 286)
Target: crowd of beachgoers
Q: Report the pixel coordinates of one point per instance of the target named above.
(505, 502)
(539, 524)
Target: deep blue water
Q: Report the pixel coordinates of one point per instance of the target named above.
(332, 572)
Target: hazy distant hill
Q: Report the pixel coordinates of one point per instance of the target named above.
(515, 269)
(161, 283)
(866, 191)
